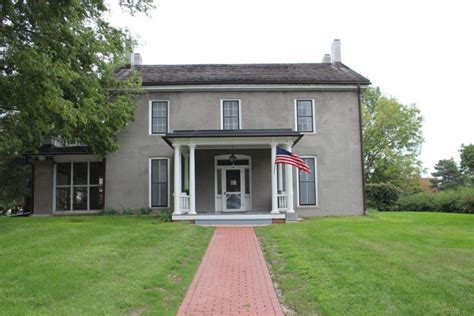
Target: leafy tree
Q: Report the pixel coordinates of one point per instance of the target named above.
(57, 65)
(447, 175)
(392, 140)
(467, 163)
(57, 72)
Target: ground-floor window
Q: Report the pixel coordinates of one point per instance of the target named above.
(79, 186)
(159, 182)
(307, 184)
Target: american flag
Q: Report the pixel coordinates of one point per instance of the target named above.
(286, 157)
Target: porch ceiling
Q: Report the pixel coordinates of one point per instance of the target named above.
(243, 138)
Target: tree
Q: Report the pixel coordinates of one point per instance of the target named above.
(467, 163)
(57, 66)
(392, 140)
(447, 175)
(57, 72)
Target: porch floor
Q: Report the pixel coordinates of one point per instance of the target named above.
(234, 218)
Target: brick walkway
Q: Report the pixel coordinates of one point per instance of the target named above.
(232, 279)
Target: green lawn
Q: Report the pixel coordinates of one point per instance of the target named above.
(97, 265)
(381, 264)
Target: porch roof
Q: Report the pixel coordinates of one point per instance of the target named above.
(240, 135)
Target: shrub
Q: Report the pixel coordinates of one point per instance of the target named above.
(451, 201)
(127, 211)
(166, 215)
(382, 196)
(145, 211)
(109, 211)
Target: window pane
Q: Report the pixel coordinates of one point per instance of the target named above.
(63, 199)
(80, 173)
(159, 120)
(219, 181)
(247, 181)
(159, 182)
(305, 124)
(97, 198)
(230, 115)
(307, 184)
(63, 174)
(305, 108)
(79, 201)
(97, 170)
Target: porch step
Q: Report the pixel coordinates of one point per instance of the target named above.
(246, 222)
(216, 219)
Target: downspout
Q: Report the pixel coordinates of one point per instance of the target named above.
(361, 137)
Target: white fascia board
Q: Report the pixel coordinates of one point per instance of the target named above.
(255, 87)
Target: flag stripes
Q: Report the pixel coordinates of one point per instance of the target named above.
(285, 157)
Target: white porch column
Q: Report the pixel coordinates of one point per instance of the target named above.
(289, 184)
(177, 179)
(192, 180)
(274, 180)
(186, 172)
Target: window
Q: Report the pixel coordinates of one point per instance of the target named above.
(305, 116)
(159, 182)
(307, 184)
(79, 186)
(230, 114)
(158, 117)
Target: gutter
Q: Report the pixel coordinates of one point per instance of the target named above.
(361, 138)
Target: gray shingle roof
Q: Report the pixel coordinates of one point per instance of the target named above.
(314, 73)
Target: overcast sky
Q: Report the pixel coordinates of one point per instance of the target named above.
(421, 52)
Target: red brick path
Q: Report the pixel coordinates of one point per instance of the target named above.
(232, 279)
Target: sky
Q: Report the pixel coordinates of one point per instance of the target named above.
(421, 52)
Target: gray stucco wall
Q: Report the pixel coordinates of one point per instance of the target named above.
(43, 186)
(335, 144)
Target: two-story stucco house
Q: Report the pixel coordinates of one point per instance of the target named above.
(204, 140)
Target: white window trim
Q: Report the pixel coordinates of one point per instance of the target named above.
(149, 181)
(150, 111)
(72, 185)
(222, 112)
(296, 115)
(315, 184)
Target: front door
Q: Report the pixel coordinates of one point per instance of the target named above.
(233, 184)
(233, 188)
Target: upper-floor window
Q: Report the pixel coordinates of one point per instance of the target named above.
(230, 114)
(304, 116)
(158, 117)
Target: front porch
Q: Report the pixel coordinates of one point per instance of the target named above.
(228, 177)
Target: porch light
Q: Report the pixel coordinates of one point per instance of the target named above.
(232, 159)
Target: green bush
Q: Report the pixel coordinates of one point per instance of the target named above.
(166, 215)
(127, 211)
(451, 201)
(382, 196)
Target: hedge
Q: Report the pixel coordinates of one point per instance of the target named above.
(451, 201)
(382, 196)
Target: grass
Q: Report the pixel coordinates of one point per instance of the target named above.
(380, 264)
(97, 265)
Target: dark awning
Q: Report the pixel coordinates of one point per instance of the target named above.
(266, 134)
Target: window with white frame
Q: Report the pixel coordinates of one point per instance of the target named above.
(158, 117)
(79, 186)
(159, 186)
(307, 184)
(305, 116)
(230, 114)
